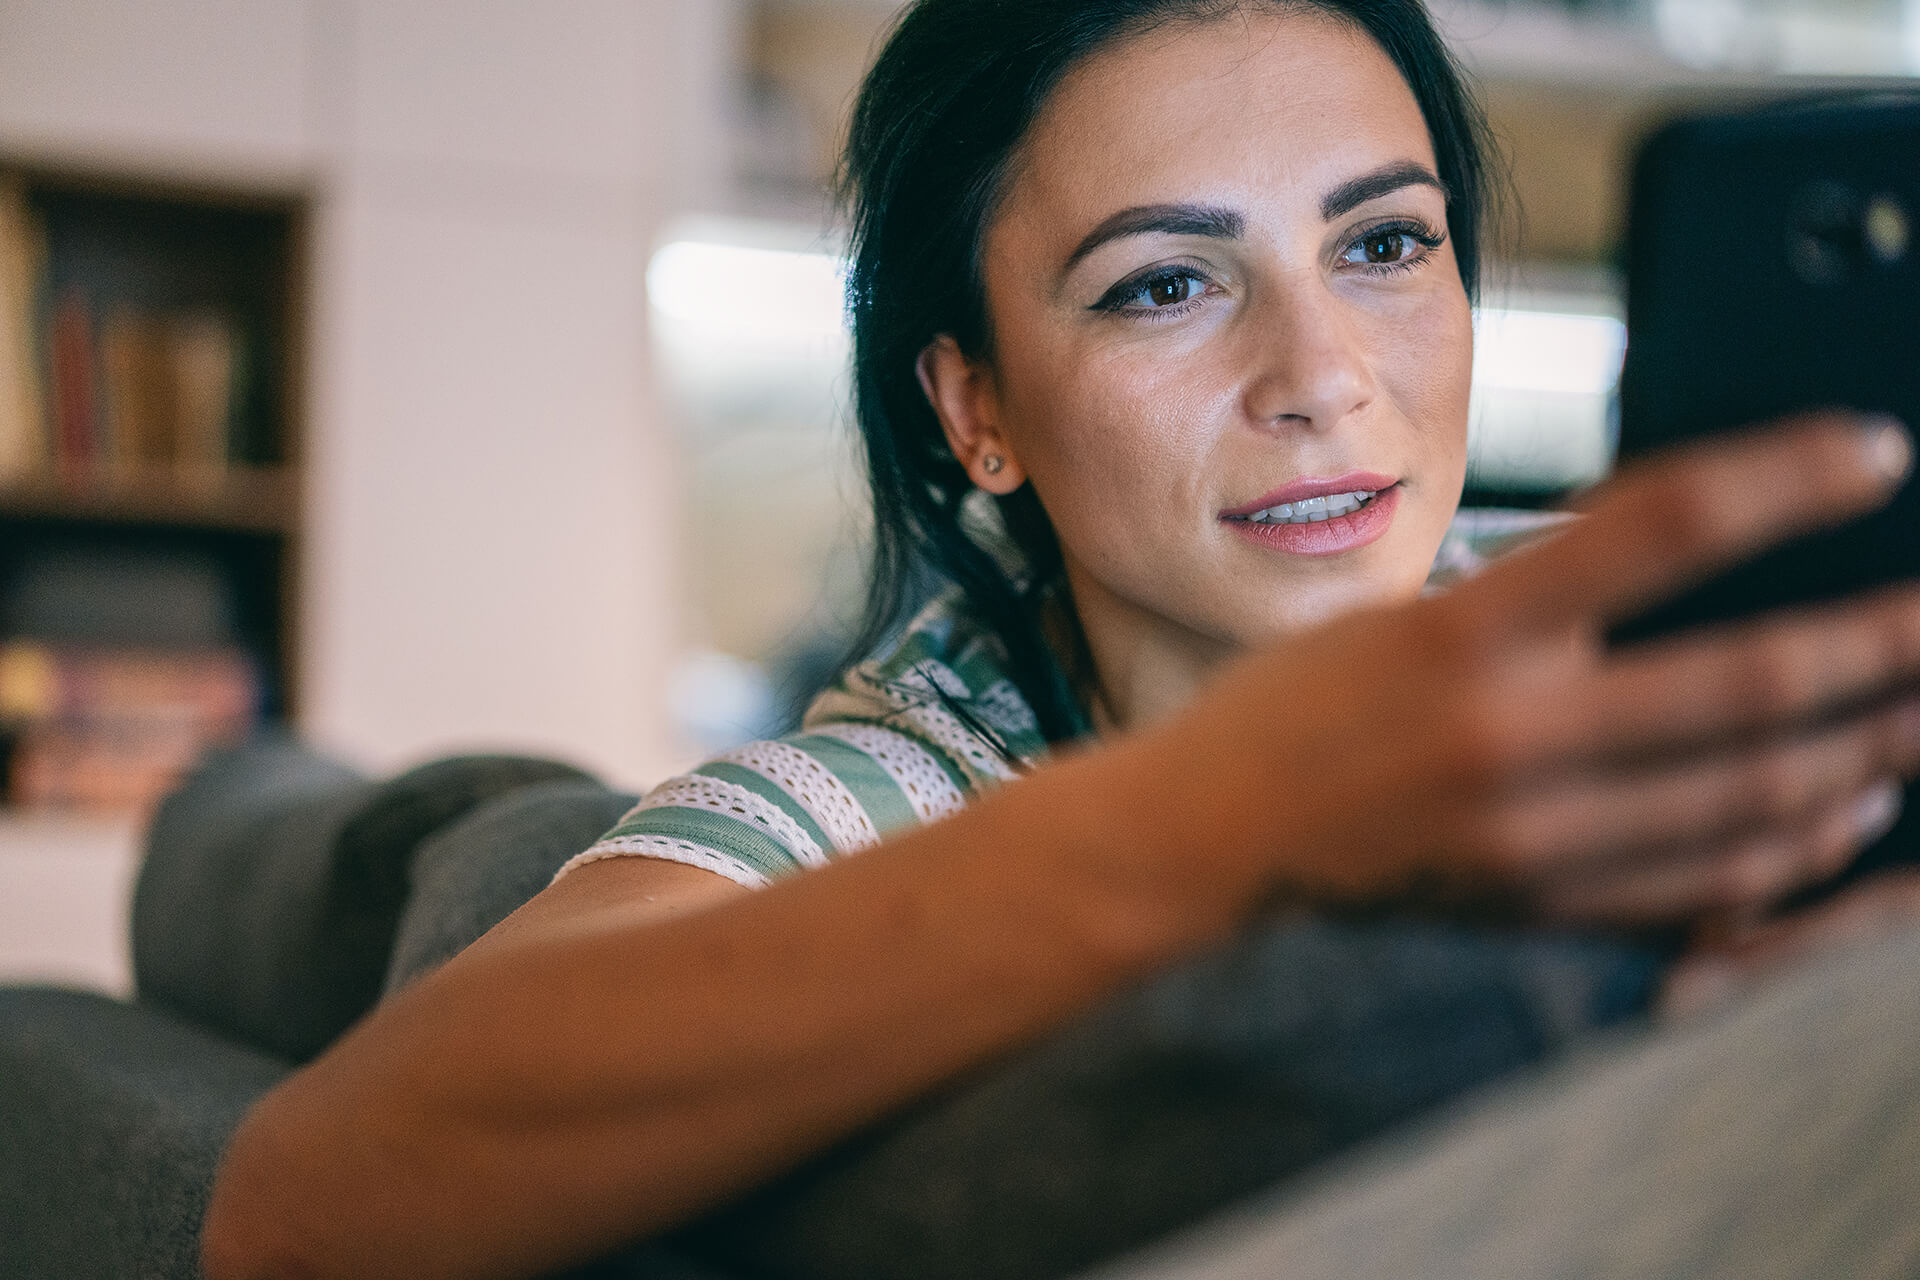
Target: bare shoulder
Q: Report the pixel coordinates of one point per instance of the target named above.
(636, 889)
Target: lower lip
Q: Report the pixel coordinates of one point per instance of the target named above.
(1325, 537)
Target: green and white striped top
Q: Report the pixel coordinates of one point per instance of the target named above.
(877, 751)
(900, 740)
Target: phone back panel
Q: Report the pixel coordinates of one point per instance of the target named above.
(1774, 266)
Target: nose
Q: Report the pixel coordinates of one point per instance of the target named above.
(1307, 360)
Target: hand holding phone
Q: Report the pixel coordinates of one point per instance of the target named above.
(1773, 270)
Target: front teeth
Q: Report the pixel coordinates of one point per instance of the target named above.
(1313, 510)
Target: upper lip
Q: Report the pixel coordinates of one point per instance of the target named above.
(1313, 487)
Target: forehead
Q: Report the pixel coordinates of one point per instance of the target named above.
(1259, 107)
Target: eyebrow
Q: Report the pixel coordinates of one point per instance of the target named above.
(1385, 180)
(1165, 219)
(1225, 224)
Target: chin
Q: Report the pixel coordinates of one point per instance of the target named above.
(1303, 610)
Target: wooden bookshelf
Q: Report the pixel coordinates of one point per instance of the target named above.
(252, 499)
(151, 365)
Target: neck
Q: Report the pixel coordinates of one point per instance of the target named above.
(1145, 667)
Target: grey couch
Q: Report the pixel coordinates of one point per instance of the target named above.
(282, 894)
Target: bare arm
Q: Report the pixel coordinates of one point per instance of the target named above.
(641, 1042)
(603, 1065)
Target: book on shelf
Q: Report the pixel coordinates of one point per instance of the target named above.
(168, 382)
(113, 730)
(23, 443)
(95, 387)
(71, 382)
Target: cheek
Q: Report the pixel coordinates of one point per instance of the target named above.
(1426, 369)
(1111, 439)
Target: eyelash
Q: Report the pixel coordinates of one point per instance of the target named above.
(1420, 233)
(1117, 300)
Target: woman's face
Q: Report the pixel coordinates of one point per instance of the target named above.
(1220, 284)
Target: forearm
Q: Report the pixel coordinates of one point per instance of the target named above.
(558, 1092)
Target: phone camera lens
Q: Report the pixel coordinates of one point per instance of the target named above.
(1826, 239)
(1887, 230)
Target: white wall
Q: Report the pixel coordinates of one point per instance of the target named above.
(491, 491)
(211, 86)
(491, 515)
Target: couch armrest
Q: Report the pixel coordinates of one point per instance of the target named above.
(474, 873)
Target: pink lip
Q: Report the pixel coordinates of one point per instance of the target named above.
(1308, 487)
(1325, 537)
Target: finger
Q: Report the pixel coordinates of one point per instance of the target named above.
(1744, 875)
(1757, 676)
(1674, 520)
(1773, 784)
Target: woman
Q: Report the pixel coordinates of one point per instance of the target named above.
(1183, 286)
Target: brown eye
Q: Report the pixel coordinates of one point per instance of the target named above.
(1169, 290)
(1155, 291)
(1393, 246)
(1386, 246)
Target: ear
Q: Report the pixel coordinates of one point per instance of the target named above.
(964, 398)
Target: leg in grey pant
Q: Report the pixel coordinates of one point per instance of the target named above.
(1212, 1082)
(1780, 1140)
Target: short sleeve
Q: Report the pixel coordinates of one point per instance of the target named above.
(772, 808)
(898, 741)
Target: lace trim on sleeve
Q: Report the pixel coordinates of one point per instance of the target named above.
(669, 849)
(729, 799)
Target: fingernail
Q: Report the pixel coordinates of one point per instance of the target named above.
(1889, 447)
(1875, 812)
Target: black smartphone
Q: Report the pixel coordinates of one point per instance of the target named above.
(1773, 265)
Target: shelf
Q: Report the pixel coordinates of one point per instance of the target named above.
(249, 499)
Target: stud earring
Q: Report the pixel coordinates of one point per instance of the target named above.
(992, 463)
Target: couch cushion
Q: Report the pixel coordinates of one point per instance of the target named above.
(112, 1119)
(274, 881)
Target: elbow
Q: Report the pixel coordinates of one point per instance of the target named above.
(244, 1235)
(227, 1252)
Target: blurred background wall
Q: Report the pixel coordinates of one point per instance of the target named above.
(440, 374)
